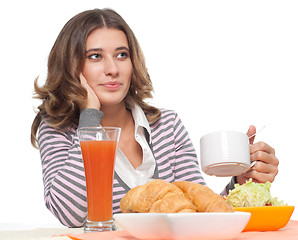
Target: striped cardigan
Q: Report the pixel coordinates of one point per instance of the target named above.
(63, 171)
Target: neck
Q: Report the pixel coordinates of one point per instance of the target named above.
(115, 116)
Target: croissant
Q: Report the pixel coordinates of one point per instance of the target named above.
(156, 196)
(203, 197)
(160, 196)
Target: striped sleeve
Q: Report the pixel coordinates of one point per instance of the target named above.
(63, 175)
(186, 166)
(173, 150)
(229, 187)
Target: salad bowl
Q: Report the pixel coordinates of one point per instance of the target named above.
(267, 212)
(267, 218)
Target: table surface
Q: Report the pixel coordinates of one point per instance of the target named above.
(288, 232)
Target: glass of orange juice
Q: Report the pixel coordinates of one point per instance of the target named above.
(98, 146)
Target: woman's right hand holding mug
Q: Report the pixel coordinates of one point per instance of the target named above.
(92, 99)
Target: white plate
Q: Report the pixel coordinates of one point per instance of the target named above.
(183, 225)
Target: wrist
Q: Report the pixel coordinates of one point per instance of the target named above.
(93, 104)
(90, 117)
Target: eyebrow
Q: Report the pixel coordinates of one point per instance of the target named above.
(101, 50)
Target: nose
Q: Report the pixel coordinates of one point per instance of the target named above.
(111, 67)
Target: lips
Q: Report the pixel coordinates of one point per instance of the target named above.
(111, 85)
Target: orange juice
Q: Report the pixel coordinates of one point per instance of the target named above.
(98, 157)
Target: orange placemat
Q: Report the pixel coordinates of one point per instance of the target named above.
(115, 235)
(288, 232)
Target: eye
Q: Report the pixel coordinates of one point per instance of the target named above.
(95, 56)
(122, 55)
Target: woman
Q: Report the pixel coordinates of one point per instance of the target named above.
(97, 76)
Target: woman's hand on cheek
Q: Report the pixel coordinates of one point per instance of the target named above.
(92, 99)
(265, 166)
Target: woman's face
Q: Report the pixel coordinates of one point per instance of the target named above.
(108, 67)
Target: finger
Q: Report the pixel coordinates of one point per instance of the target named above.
(262, 156)
(264, 168)
(251, 131)
(261, 146)
(260, 177)
(242, 179)
(85, 83)
(83, 80)
(246, 176)
(92, 98)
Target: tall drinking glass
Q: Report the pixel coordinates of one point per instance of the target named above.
(98, 145)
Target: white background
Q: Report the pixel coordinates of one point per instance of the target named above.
(219, 64)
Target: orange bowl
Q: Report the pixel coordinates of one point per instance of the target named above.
(268, 218)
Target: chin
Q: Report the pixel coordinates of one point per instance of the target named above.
(111, 99)
(112, 103)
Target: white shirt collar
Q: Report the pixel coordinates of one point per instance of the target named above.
(140, 118)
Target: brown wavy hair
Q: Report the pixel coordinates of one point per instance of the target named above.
(62, 93)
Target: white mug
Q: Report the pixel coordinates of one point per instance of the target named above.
(225, 153)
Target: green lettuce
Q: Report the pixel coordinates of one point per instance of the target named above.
(252, 194)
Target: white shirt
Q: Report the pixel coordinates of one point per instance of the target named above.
(143, 173)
